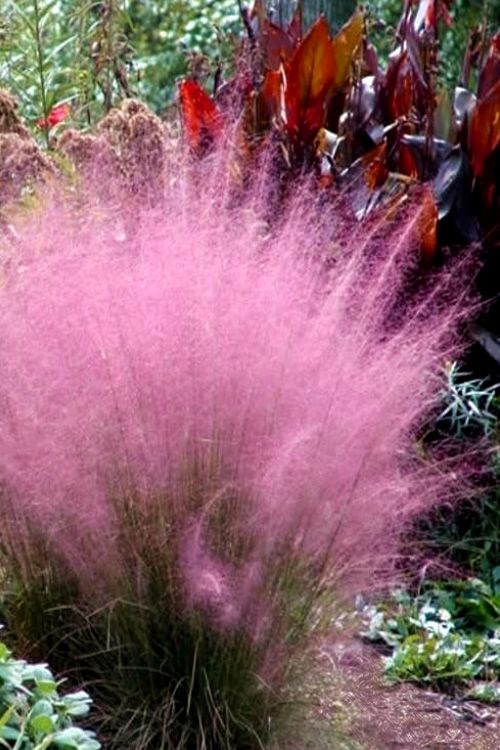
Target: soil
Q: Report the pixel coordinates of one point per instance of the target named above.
(406, 717)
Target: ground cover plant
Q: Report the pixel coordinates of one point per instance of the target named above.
(447, 637)
(34, 715)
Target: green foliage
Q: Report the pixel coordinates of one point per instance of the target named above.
(33, 63)
(466, 535)
(55, 51)
(92, 52)
(33, 714)
(168, 36)
(446, 636)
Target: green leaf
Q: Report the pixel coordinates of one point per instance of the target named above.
(6, 717)
(42, 707)
(42, 723)
(46, 687)
(10, 733)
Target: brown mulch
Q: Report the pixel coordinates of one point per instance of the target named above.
(406, 717)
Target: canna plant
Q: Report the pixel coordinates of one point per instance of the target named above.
(372, 133)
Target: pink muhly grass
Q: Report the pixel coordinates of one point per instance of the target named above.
(127, 358)
(211, 398)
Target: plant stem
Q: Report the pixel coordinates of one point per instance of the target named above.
(39, 57)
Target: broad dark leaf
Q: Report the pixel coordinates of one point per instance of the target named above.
(438, 148)
(399, 86)
(370, 60)
(277, 45)
(448, 181)
(296, 25)
(484, 131)
(268, 100)
(376, 172)
(428, 225)
(490, 73)
(413, 43)
(452, 187)
(309, 79)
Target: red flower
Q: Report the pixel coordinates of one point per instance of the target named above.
(57, 114)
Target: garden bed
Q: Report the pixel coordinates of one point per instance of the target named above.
(404, 716)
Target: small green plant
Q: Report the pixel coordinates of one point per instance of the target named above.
(33, 714)
(470, 404)
(485, 692)
(447, 636)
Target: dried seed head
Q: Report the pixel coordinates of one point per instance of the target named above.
(10, 122)
(138, 137)
(22, 163)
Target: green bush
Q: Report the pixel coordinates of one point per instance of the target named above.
(167, 36)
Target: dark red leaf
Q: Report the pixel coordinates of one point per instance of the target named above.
(309, 79)
(427, 228)
(376, 172)
(484, 130)
(296, 25)
(269, 97)
(277, 45)
(399, 86)
(319, 67)
(490, 73)
(408, 164)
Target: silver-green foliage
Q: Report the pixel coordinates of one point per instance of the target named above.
(33, 714)
(468, 403)
(449, 635)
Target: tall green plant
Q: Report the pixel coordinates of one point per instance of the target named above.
(35, 57)
(65, 51)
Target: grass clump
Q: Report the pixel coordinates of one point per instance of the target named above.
(207, 438)
(171, 668)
